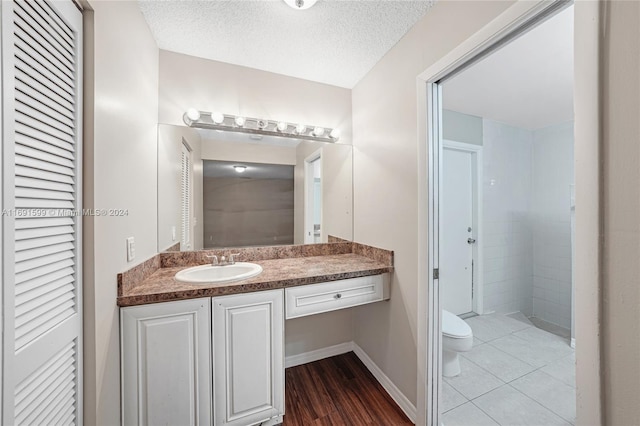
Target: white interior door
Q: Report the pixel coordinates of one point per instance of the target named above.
(456, 256)
(41, 231)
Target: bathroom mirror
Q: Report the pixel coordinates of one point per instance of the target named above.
(220, 189)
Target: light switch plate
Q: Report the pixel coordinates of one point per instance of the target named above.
(131, 249)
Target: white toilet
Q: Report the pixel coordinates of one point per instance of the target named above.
(456, 337)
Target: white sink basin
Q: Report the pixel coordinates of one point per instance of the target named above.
(208, 274)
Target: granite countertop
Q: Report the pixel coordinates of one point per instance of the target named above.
(161, 286)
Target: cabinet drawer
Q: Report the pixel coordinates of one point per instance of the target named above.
(332, 295)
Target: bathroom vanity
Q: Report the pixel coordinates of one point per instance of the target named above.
(213, 354)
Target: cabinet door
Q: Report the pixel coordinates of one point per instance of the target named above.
(166, 363)
(248, 357)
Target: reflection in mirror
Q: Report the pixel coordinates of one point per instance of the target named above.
(247, 204)
(313, 198)
(219, 189)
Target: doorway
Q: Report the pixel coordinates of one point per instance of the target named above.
(514, 22)
(520, 354)
(461, 260)
(313, 198)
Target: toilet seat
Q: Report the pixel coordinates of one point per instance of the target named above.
(454, 327)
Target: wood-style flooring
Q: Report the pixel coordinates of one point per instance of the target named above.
(338, 391)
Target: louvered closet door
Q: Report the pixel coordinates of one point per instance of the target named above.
(41, 228)
(186, 197)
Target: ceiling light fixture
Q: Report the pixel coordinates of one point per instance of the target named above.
(217, 117)
(300, 4)
(258, 126)
(193, 114)
(240, 169)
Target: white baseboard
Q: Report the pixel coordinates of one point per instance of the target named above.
(342, 348)
(393, 391)
(318, 354)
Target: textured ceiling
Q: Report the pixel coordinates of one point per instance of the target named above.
(335, 42)
(528, 83)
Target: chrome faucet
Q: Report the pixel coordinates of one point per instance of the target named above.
(230, 260)
(224, 260)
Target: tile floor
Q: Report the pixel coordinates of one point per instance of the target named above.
(516, 374)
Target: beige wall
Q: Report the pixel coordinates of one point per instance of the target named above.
(386, 177)
(187, 81)
(215, 149)
(314, 332)
(621, 210)
(170, 141)
(120, 172)
(337, 189)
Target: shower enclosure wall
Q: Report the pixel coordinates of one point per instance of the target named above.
(527, 209)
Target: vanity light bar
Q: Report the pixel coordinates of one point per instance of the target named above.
(260, 126)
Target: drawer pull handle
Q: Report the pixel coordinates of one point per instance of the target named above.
(338, 296)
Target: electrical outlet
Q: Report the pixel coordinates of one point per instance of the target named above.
(131, 249)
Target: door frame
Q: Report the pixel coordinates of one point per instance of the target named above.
(517, 19)
(308, 193)
(477, 176)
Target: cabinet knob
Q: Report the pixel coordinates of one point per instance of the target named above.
(338, 296)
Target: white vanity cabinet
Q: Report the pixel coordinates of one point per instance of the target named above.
(168, 350)
(220, 361)
(166, 363)
(248, 358)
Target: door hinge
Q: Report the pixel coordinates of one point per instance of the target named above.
(436, 273)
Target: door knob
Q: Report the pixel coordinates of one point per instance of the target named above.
(471, 240)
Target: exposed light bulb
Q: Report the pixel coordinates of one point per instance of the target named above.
(240, 169)
(239, 121)
(217, 117)
(193, 114)
(300, 4)
(300, 129)
(318, 131)
(282, 126)
(335, 134)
